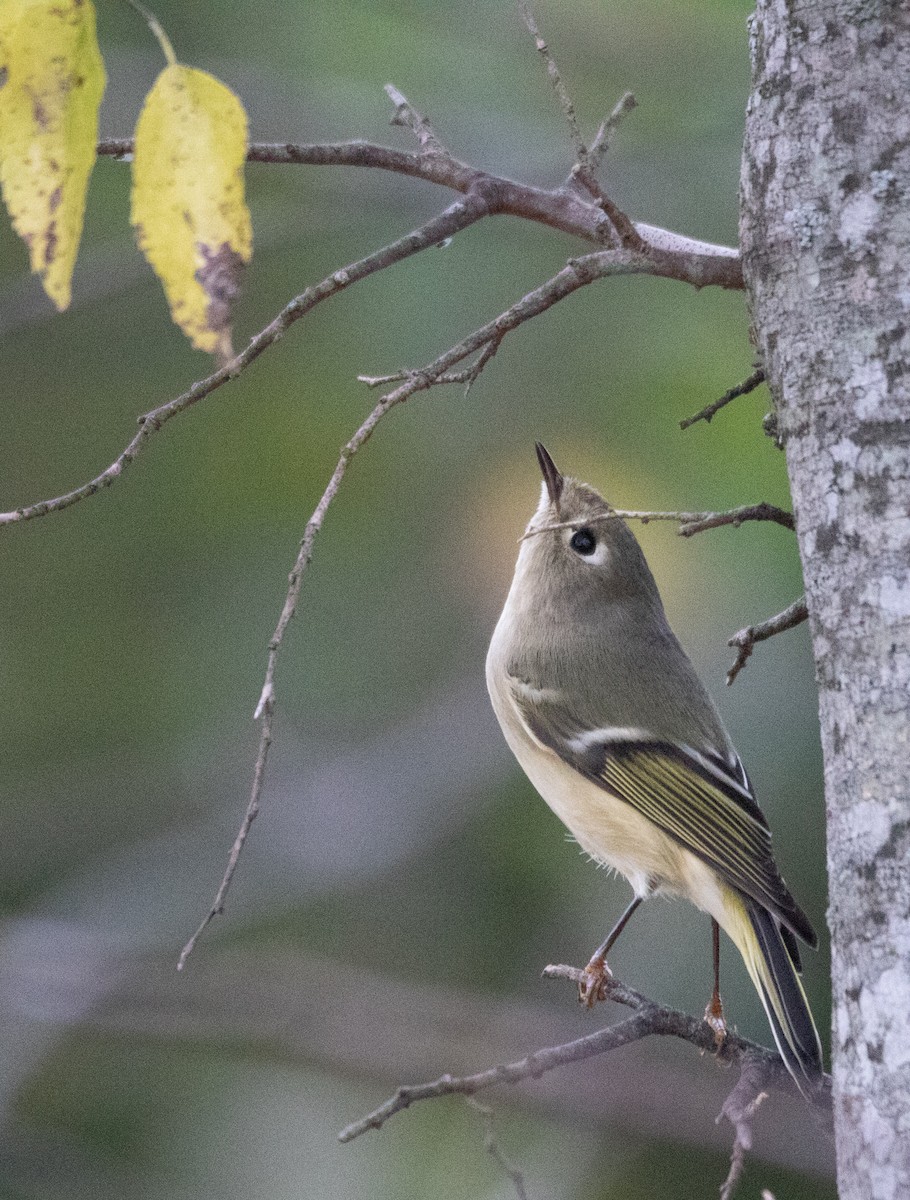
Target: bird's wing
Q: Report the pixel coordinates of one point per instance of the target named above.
(702, 798)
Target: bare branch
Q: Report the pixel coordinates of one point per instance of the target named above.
(672, 255)
(412, 118)
(690, 522)
(736, 517)
(262, 1001)
(628, 234)
(492, 1147)
(584, 171)
(667, 254)
(746, 639)
(740, 1108)
(266, 705)
(468, 376)
(562, 94)
(457, 216)
(650, 1018)
(531, 1067)
(601, 143)
(741, 389)
(577, 273)
(264, 710)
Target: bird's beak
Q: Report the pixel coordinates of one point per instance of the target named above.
(551, 475)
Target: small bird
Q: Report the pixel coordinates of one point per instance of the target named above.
(606, 715)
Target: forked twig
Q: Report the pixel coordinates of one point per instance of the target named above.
(761, 1069)
(604, 135)
(746, 639)
(453, 219)
(584, 171)
(739, 1109)
(412, 118)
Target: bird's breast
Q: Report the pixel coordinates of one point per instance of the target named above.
(608, 829)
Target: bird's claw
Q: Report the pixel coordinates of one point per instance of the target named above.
(592, 987)
(714, 1017)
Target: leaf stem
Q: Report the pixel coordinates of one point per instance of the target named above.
(157, 29)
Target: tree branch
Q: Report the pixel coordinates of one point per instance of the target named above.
(671, 255)
(562, 94)
(746, 639)
(761, 1069)
(412, 118)
(740, 1108)
(690, 522)
(259, 1000)
(736, 517)
(656, 252)
(601, 144)
(741, 389)
(456, 217)
(584, 171)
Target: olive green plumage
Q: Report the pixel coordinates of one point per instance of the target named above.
(605, 713)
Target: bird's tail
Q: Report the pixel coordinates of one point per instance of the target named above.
(775, 974)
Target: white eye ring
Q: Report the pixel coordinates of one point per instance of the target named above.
(578, 541)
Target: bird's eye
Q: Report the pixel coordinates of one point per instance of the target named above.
(583, 542)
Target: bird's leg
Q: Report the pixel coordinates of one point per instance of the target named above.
(714, 1013)
(591, 989)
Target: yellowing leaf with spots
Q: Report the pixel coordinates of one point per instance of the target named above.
(51, 83)
(188, 207)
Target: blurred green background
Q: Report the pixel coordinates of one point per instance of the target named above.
(404, 886)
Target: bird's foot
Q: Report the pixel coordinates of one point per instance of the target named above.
(592, 987)
(714, 1016)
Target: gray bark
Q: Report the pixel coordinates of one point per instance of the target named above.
(826, 242)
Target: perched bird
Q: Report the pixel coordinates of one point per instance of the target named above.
(604, 711)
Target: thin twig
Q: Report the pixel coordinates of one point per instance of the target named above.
(741, 389)
(584, 169)
(484, 341)
(736, 517)
(468, 376)
(412, 118)
(739, 1109)
(492, 1147)
(375, 381)
(649, 1019)
(629, 236)
(690, 522)
(456, 217)
(604, 135)
(746, 639)
(264, 709)
(266, 705)
(562, 94)
(531, 1067)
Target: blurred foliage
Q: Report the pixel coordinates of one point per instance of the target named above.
(134, 625)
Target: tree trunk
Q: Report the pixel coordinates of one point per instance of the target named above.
(826, 242)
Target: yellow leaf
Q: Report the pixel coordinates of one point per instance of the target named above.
(51, 83)
(188, 207)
